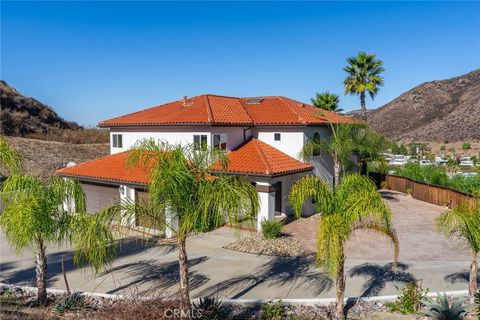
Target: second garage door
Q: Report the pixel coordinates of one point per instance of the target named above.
(99, 196)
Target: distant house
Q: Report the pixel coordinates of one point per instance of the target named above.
(262, 136)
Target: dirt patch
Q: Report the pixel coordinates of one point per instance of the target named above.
(285, 246)
(42, 158)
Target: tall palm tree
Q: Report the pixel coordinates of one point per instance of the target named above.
(9, 158)
(363, 75)
(328, 101)
(34, 215)
(463, 223)
(340, 145)
(355, 204)
(182, 190)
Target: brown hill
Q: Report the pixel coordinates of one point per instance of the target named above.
(42, 158)
(21, 116)
(446, 110)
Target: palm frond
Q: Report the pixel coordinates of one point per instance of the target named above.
(9, 158)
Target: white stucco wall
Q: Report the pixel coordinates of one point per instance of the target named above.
(291, 141)
(178, 135)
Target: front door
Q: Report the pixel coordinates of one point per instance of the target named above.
(278, 197)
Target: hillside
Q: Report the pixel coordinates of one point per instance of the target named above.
(42, 158)
(445, 110)
(21, 116)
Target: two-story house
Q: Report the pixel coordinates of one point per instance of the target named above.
(263, 137)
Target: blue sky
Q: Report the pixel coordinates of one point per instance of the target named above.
(94, 60)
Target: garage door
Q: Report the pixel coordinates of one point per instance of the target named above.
(99, 197)
(146, 218)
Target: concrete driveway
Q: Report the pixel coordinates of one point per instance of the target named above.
(147, 266)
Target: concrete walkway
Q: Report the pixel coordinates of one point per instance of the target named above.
(214, 270)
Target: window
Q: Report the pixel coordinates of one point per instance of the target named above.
(220, 141)
(117, 140)
(200, 140)
(316, 136)
(276, 137)
(316, 139)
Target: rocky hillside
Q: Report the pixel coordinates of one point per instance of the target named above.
(445, 110)
(20, 115)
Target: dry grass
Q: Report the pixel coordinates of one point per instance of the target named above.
(42, 158)
(80, 136)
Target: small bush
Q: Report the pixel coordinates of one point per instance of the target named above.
(477, 303)
(384, 185)
(211, 309)
(271, 229)
(409, 191)
(274, 310)
(409, 299)
(442, 310)
(71, 302)
(466, 146)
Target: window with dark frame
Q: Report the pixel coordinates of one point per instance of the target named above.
(277, 137)
(220, 141)
(117, 140)
(200, 141)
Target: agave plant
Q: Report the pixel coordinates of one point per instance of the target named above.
(442, 310)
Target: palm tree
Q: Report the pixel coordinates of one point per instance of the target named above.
(363, 75)
(355, 204)
(9, 158)
(463, 223)
(340, 145)
(328, 101)
(369, 146)
(35, 214)
(188, 198)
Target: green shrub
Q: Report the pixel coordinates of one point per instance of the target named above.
(69, 303)
(466, 146)
(409, 299)
(443, 147)
(477, 303)
(271, 229)
(273, 310)
(211, 308)
(442, 310)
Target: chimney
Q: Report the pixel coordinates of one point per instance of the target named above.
(184, 101)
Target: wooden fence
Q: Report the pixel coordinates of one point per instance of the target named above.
(427, 192)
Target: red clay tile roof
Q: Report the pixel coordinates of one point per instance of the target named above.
(220, 110)
(257, 157)
(252, 157)
(113, 167)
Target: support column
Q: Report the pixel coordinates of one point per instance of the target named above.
(171, 223)
(266, 197)
(127, 195)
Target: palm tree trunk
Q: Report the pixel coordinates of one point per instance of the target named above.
(41, 274)
(340, 289)
(364, 108)
(472, 285)
(184, 284)
(336, 172)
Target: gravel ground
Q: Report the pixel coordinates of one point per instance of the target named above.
(285, 246)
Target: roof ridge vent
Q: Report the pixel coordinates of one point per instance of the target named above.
(255, 100)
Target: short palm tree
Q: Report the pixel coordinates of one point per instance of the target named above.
(463, 223)
(34, 214)
(9, 158)
(355, 204)
(340, 145)
(369, 146)
(328, 101)
(188, 198)
(363, 75)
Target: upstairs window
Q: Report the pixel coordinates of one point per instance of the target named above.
(117, 140)
(277, 137)
(220, 141)
(200, 141)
